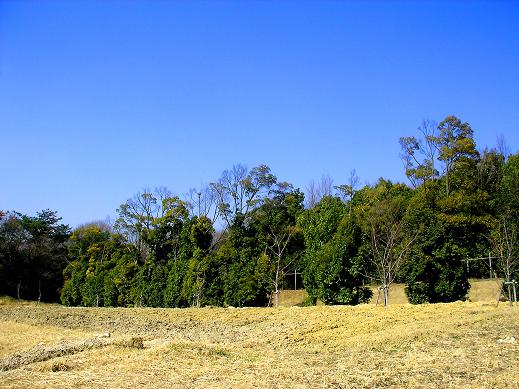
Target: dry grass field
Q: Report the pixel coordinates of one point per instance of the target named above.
(457, 345)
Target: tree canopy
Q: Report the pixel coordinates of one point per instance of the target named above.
(233, 242)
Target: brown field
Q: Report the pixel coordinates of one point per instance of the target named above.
(464, 344)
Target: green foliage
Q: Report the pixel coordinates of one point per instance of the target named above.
(438, 278)
(149, 284)
(464, 204)
(32, 255)
(243, 266)
(508, 193)
(332, 265)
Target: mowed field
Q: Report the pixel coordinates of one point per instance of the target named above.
(464, 344)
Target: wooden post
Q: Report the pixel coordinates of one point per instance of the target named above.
(490, 264)
(39, 292)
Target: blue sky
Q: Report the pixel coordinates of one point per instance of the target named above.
(99, 100)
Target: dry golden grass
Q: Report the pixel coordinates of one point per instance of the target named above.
(463, 344)
(480, 290)
(292, 298)
(484, 290)
(17, 336)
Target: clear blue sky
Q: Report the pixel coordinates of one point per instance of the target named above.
(99, 100)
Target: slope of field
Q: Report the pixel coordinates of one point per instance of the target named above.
(444, 345)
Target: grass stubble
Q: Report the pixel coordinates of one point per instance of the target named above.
(456, 345)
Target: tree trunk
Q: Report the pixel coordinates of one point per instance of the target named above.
(39, 291)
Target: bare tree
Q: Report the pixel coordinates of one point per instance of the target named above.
(388, 243)
(504, 242)
(502, 147)
(347, 191)
(419, 155)
(103, 225)
(315, 191)
(203, 202)
(312, 197)
(280, 241)
(429, 130)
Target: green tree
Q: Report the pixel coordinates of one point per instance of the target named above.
(93, 253)
(33, 255)
(455, 143)
(137, 216)
(435, 269)
(332, 263)
(238, 191)
(241, 262)
(278, 234)
(193, 289)
(386, 241)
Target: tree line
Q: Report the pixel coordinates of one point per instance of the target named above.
(232, 242)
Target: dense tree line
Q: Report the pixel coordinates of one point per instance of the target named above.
(33, 254)
(232, 242)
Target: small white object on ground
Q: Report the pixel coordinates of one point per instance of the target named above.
(508, 339)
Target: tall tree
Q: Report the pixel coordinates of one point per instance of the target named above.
(316, 190)
(332, 263)
(138, 214)
(455, 143)
(419, 154)
(33, 254)
(238, 191)
(505, 243)
(388, 242)
(435, 270)
(278, 233)
(347, 191)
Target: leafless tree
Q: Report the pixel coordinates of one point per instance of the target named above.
(312, 198)
(504, 242)
(280, 241)
(388, 243)
(419, 155)
(203, 202)
(315, 191)
(103, 225)
(348, 190)
(502, 147)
